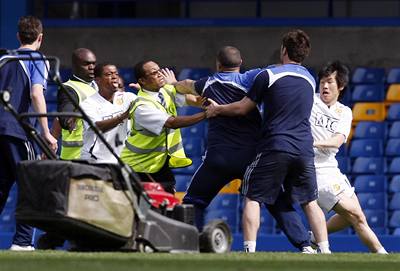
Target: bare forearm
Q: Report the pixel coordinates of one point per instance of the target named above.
(184, 121)
(108, 124)
(334, 142)
(39, 104)
(232, 110)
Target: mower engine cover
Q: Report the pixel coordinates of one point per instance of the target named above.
(159, 197)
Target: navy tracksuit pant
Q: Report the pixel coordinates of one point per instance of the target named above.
(222, 165)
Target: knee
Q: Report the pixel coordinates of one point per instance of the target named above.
(358, 218)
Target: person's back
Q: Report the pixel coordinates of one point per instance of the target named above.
(288, 100)
(225, 88)
(14, 79)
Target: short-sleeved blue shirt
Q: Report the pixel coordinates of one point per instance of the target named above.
(287, 92)
(17, 77)
(225, 88)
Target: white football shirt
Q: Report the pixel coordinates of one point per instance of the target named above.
(325, 123)
(98, 108)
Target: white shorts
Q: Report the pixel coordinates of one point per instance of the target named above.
(331, 184)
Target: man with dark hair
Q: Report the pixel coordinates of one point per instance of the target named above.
(330, 126)
(229, 57)
(26, 81)
(230, 138)
(285, 153)
(108, 109)
(154, 145)
(81, 85)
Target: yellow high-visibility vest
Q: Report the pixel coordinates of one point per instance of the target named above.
(148, 152)
(72, 142)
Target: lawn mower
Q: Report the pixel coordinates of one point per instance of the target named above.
(101, 207)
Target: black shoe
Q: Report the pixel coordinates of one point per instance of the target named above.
(49, 241)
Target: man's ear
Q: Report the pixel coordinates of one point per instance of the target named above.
(18, 37)
(140, 81)
(40, 37)
(283, 51)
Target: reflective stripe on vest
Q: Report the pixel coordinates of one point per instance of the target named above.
(147, 152)
(72, 142)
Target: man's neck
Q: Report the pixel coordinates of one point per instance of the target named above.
(32, 47)
(82, 80)
(107, 95)
(224, 69)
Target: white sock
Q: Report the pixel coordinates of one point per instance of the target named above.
(324, 247)
(382, 250)
(249, 246)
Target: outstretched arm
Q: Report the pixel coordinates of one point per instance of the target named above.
(239, 108)
(184, 121)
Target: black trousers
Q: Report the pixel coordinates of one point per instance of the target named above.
(164, 176)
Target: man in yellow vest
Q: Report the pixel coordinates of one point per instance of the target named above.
(154, 145)
(81, 85)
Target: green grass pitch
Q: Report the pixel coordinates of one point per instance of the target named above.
(72, 261)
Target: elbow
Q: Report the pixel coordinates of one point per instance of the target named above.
(171, 123)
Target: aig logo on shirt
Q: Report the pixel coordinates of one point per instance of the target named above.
(327, 122)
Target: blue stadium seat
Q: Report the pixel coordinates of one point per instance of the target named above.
(394, 186)
(344, 164)
(230, 217)
(394, 221)
(7, 217)
(373, 201)
(227, 202)
(127, 74)
(371, 129)
(368, 93)
(188, 110)
(393, 76)
(370, 184)
(190, 169)
(51, 93)
(393, 113)
(369, 165)
(393, 147)
(194, 146)
(194, 73)
(182, 182)
(396, 231)
(394, 166)
(7, 228)
(394, 203)
(394, 131)
(197, 130)
(342, 151)
(345, 98)
(366, 147)
(366, 75)
(376, 218)
(267, 222)
(11, 200)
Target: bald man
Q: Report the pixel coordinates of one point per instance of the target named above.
(81, 85)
